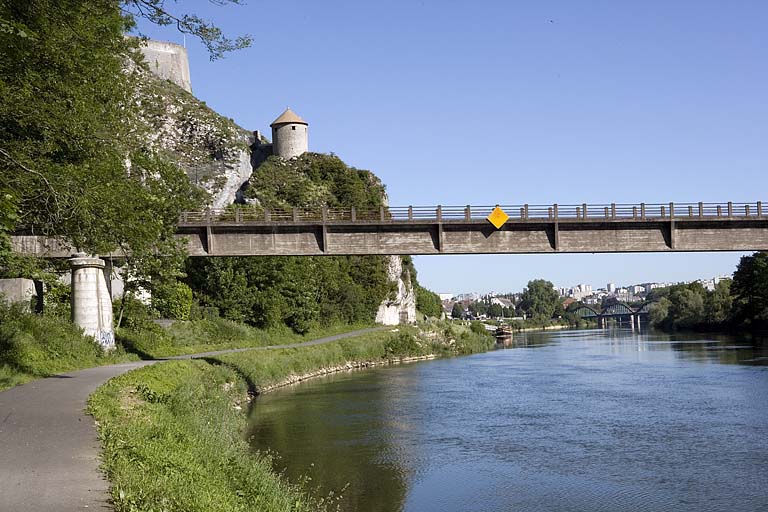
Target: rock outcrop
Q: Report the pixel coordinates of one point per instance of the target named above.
(217, 155)
(401, 309)
(210, 148)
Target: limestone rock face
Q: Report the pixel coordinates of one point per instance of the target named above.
(402, 308)
(210, 148)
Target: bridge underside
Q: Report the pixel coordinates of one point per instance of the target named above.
(453, 237)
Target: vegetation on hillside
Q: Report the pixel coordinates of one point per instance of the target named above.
(304, 292)
(34, 346)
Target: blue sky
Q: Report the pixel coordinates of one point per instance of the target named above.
(511, 102)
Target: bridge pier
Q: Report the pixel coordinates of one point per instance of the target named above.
(91, 300)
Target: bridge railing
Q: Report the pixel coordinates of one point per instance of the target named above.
(469, 213)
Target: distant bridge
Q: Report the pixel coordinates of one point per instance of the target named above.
(584, 228)
(620, 311)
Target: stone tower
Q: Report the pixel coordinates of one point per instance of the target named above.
(289, 135)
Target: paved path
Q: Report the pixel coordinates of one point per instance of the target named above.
(49, 449)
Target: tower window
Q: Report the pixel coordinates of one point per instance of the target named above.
(293, 127)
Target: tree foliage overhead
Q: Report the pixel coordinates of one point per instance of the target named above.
(72, 139)
(159, 12)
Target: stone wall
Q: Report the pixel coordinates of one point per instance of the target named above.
(168, 61)
(17, 290)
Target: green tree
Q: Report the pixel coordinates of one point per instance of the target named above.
(719, 303)
(173, 300)
(659, 313)
(540, 300)
(750, 290)
(8, 216)
(495, 311)
(428, 302)
(478, 307)
(686, 307)
(69, 122)
(158, 12)
(457, 311)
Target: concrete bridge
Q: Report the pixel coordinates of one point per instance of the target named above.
(508, 229)
(620, 311)
(670, 227)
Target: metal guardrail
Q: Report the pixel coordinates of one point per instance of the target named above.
(439, 213)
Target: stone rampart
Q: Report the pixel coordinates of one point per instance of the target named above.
(168, 61)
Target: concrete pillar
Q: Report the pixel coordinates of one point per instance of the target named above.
(91, 303)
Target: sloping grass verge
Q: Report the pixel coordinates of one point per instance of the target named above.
(34, 346)
(192, 337)
(173, 433)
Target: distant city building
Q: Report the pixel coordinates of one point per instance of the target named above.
(611, 287)
(578, 292)
(445, 296)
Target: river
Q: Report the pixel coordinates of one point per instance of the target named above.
(570, 421)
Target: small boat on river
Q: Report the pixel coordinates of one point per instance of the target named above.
(503, 335)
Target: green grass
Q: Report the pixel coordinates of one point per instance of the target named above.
(34, 346)
(262, 369)
(153, 341)
(173, 440)
(173, 433)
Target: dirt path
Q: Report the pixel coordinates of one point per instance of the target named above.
(49, 449)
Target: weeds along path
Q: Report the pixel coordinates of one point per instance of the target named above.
(49, 447)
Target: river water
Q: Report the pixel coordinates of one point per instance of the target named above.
(569, 421)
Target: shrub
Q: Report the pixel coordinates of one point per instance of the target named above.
(478, 328)
(173, 300)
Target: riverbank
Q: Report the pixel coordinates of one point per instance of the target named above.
(37, 346)
(173, 433)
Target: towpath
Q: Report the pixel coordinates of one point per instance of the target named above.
(49, 448)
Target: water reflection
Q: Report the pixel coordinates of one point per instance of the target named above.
(571, 420)
(334, 438)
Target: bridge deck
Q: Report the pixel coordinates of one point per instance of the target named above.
(461, 230)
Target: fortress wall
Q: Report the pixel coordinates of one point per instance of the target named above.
(168, 61)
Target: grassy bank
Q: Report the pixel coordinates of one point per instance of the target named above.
(173, 433)
(35, 346)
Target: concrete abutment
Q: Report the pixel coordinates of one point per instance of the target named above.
(91, 300)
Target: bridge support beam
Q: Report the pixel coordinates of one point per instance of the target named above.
(91, 300)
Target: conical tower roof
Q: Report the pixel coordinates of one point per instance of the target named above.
(289, 116)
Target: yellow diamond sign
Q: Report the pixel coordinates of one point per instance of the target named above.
(498, 217)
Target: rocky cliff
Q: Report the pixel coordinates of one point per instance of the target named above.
(401, 308)
(212, 149)
(216, 155)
